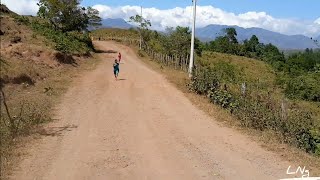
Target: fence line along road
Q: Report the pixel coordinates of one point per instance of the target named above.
(174, 61)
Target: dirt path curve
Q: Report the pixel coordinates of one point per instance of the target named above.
(140, 127)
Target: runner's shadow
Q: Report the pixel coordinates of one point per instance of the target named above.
(122, 79)
(105, 51)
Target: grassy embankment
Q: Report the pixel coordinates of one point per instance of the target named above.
(37, 66)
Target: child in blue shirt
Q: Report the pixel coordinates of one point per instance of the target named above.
(116, 69)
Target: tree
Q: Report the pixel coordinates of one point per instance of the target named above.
(94, 20)
(143, 25)
(271, 54)
(174, 42)
(251, 47)
(198, 46)
(231, 34)
(253, 43)
(180, 40)
(227, 43)
(68, 15)
(222, 44)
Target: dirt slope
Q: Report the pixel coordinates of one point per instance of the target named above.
(140, 127)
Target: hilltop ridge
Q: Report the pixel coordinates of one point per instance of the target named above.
(210, 32)
(282, 41)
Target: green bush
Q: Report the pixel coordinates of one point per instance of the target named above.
(203, 81)
(257, 115)
(223, 98)
(304, 87)
(74, 43)
(20, 118)
(226, 72)
(21, 19)
(206, 82)
(316, 135)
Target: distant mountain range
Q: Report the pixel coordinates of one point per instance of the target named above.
(265, 36)
(116, 23)
(210, 32)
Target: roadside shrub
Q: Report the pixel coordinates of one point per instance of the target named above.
(18, 120)
(22, 19)
(256, 115)
(82, 37)
(225, 71)
(297, 129)
(304, 87)
(73, 43)
(205, 82)
(19, 117)
(223, 98)
(316, 135)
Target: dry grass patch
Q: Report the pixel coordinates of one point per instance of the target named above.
(30, 104)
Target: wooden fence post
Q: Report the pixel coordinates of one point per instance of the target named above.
(243, 89)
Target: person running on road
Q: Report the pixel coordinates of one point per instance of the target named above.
(119, 56)
(116, 69)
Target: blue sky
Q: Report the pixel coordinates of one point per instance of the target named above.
(293, 9)
(289, 17)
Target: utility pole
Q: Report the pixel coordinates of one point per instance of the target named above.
(192, 38)
(140, 45)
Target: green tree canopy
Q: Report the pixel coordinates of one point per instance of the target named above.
(93, 18)
(180, 40)
(140, 21)
(231, 34)
(68, 15)
(143, 25)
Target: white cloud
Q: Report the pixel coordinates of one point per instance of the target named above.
(23, 7)
(206, 15)
(210, 15)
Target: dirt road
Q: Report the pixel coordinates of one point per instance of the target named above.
(140, 127)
